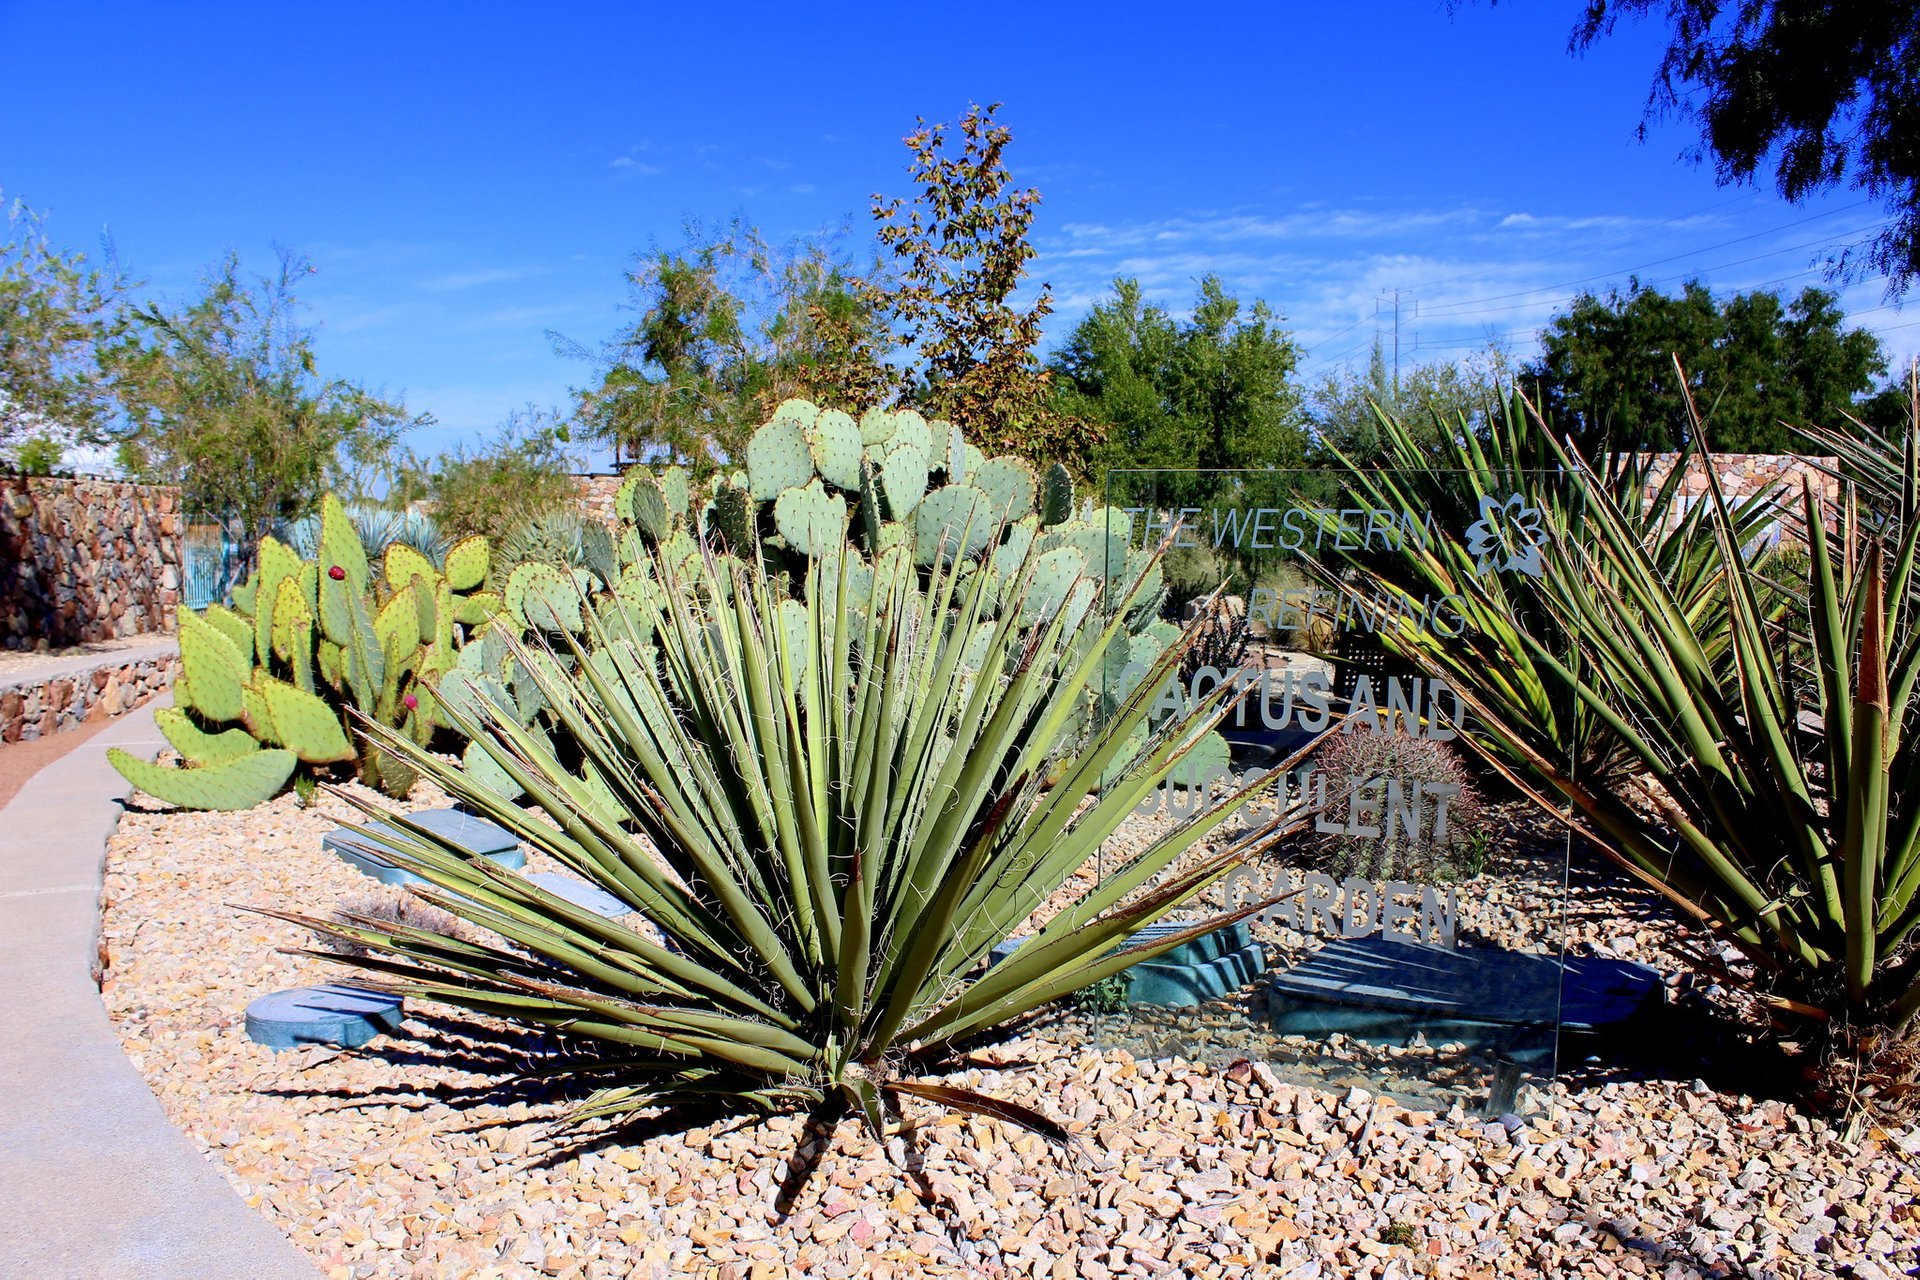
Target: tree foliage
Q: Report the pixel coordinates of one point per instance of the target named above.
(523, 473)
(1754, 364)
(1430, 399)
(56, 313)
(729, 326)
(222, 398)
(1213, 391)
(1820, 91)
(960, 251)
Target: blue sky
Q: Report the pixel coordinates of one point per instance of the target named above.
(467, 178)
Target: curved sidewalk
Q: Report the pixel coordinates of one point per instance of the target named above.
(94, 1180)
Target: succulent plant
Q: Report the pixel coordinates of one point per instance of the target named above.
(268, 686)
(829, 818)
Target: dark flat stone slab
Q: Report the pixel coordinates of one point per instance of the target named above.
(333, 1014)
(477, 836)
(1485, 985)
(580, 893)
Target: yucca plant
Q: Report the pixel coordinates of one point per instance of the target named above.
(827, 814)
(1518, 483)
(1782, 811)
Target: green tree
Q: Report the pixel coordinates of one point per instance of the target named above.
(222, 398)
(521, 474)
(56, 313)
(960, 252)
(1214, 391)
(1820, 91)
(1754, 364)
(730, 325)
(1430, 399)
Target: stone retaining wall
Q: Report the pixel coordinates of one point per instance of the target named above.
(84, 560)
(596, 496)
(1743, 475)
(36, 703)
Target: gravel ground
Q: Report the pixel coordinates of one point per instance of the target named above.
(420, 1161)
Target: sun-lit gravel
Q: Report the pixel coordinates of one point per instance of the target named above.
(421, 1160)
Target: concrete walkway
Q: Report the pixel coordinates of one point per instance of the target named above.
(94, 1181)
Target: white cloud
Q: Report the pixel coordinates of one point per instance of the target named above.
(458, 281)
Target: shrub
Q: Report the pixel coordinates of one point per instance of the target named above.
(521, 476)
(831, 808)
(38, 456)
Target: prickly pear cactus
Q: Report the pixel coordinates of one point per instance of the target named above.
(778, 458)
(1009, 485)
(810, 519)
(1056, 502)
(837, 449)
(306, 643)
(952, 521)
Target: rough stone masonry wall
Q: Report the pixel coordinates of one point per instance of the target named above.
(36, 705)
(1742, 475)
(83, 560)
(596, 496)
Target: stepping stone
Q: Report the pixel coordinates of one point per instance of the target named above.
(1384, 992)
(580, 893)
(477, 836)
(1206, 968)
(338, 1015)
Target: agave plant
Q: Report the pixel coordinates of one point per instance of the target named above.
(825, 814)
(1784, 812)
(377, 527)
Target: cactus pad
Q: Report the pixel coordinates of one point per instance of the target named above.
(674, 487)
(196, 744)
(949, 451)
(812, 521)
(402, 564)
(468, 561)
(730, 515)
(903, 480)
(307, 726)
(876, 426)
(1054, 574)
(217, 668)
(640, 502)
(471, 611)
(1056, 499)
(340, 545)
(239, 783)
(910, 431)
(953, 520)
(542, 598)
(1009, 485)
(231, 625)
(778, 458)
(801, 413)
(837, 449)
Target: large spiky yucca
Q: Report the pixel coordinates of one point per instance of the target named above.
(827, 815)
(1746, 717)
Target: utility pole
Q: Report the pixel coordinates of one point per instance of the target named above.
(1377, 308)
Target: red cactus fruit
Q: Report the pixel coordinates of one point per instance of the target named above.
(337, 573)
